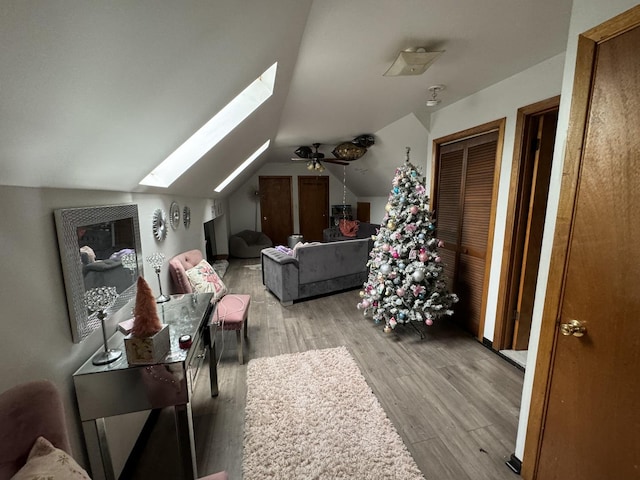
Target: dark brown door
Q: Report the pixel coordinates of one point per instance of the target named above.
(592, 422)
(313, 206)
(363, 212)
(531, 222)
(464, 203)
(276, 210)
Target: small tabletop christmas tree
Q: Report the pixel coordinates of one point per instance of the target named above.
(146, 321)
(149, 340)
(405, 282)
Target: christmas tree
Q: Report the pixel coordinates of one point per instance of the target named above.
(406, 281)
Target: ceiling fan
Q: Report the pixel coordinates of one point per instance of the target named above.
(313, 158)
(344, 153)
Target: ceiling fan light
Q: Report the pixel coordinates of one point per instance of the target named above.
(411, 62)
(365, 140)
(303, 152)
(349, 151)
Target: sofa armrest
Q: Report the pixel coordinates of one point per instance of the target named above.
(280, 275)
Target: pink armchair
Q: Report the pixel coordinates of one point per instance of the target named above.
(178, 266)
(27, 412)
(232, 311)
(32, 410)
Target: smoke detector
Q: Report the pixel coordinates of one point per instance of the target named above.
(434, 89)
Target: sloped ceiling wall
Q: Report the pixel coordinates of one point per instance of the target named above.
(94, 94)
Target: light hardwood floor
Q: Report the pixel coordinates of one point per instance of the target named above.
(454, 402)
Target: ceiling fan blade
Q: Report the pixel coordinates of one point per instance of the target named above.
(334, 160)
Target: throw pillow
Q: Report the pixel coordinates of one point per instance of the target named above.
(349, 228)
(46, 461)
(204, 279)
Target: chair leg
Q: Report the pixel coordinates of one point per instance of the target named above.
(246, 321)
(240, 342)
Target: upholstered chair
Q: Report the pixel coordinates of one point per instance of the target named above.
(31, 410)
(232, 310)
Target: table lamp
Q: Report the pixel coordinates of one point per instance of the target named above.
(156, 260)
(99, 300)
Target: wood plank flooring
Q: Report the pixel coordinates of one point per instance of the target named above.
(454, 402)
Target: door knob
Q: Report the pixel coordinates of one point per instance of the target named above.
(574, 327)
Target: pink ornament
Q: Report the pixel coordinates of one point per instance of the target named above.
(392, 322)
(400, 292)
(385, 247)
(423, 257)
(428, 321)
(366, 304)
(395, 254)
(414, 210)
(437, 259)
(440, 244)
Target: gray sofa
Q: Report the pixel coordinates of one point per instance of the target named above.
(316, 269)
(248, 244)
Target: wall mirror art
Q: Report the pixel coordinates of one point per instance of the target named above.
(99, 247)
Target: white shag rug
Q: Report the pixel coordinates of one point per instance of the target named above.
(311, 415)
(256, 266)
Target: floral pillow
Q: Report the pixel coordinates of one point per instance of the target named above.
(204, 279)
(47, 461)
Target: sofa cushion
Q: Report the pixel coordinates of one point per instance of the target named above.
(349, 228)
(47, 461)
(204, 279)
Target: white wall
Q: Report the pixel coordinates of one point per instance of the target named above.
(387, 155)
(501, 100)
(35, 321)
(377, 206)
(585, 14)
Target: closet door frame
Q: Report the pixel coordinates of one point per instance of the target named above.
(493, 126)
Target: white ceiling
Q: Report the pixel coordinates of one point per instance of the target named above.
(95, 94)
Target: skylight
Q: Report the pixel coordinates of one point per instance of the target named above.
(213, 131)
(244, 165)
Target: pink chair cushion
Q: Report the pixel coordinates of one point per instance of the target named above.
(178, 267)
(232, 311)
(28, 411)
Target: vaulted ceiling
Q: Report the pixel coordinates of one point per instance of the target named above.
(95, 94)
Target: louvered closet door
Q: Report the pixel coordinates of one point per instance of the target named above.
(464, 195)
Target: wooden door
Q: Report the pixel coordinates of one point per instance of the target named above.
(276, 208)
(464, 210)
(363, 212)
(532, 220)
(589, 423)
(526, 210)
(313, 206)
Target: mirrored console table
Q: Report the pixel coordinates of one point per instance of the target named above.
(119, 388)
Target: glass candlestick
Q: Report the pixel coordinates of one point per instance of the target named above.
(99, 300)
(156, 260)
(130, 262)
